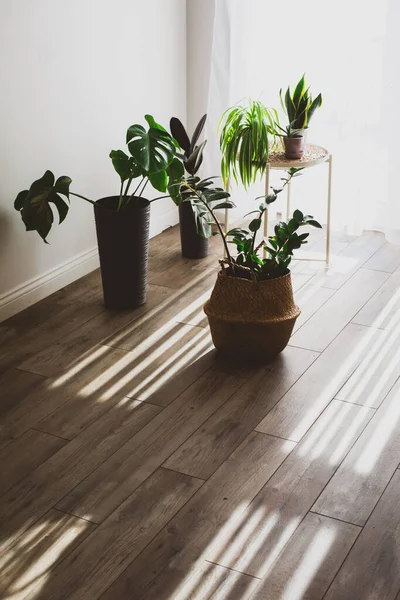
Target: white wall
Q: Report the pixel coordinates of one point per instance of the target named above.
(200, 19)
(75, 74)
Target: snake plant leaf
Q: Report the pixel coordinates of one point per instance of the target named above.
(290, 108)
(153, 150)
(125, 165)
(34, 205)
(178, 131)
(299, 91)
(159, 180)
(316, 103)
(197, 132)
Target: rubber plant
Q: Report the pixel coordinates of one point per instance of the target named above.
(151, 157)
(190, 188)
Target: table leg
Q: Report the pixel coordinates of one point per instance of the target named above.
(328, 215)
(267, 170)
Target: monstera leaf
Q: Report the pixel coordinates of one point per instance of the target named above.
(125, 165)
(34, 204)
(153, 150)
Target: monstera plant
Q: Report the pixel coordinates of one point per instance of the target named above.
(122, 221)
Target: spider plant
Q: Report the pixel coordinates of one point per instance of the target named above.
(244, 141)
(299, 105)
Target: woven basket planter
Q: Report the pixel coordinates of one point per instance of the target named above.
(250, 319)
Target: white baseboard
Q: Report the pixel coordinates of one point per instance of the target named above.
(40, 287)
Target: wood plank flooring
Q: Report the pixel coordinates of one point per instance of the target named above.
(138, 464)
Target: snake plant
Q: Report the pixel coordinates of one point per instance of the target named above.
(299, 105)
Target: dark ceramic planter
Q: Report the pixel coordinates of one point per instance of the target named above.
(192, 244)
(123, 243)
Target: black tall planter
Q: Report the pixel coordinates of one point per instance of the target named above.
(192, 244)
(123, 241)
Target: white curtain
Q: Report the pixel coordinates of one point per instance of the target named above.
(350, 52)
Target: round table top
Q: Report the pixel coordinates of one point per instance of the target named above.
(313, 155)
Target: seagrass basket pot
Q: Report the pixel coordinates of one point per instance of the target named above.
(251, 319)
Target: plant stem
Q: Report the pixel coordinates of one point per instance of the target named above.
(134, 193)
(144, 187)
(83, 197)
(128, 185)
(290, 176)
(120, 196)
(159, 198)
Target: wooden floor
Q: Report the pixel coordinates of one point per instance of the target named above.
(137, 464)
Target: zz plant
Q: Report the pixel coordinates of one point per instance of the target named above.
(279, 248)
(151, 159)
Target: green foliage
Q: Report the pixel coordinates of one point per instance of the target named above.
(154, 149)
(279, 247)
(192, 155)
(244, 141)
(152, 158)
(189, 159)
(34, 204)
(203, 195)
(299, 105)
(205, 198)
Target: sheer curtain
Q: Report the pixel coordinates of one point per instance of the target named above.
(350, 51)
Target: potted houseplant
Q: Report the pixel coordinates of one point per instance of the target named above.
(299, 107)
(251, 311)
(245, 135)
(122, 221)
(194, 238)
(195, 216)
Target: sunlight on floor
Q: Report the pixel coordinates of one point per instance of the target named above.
(314, 557)
(26, 565)
(384, 428)
(253, 529)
